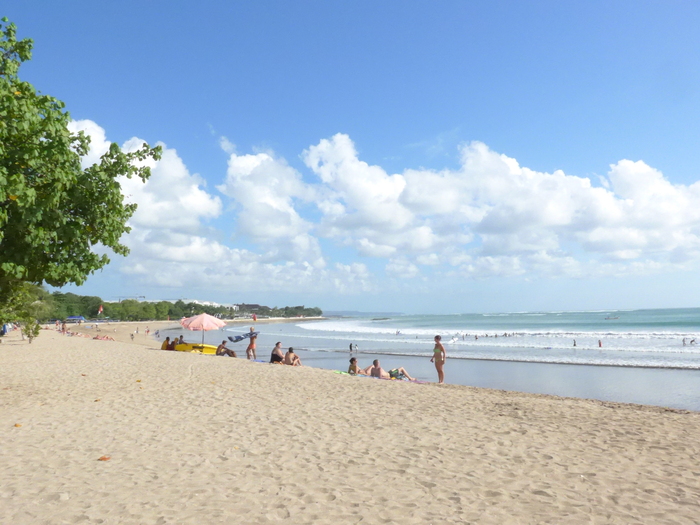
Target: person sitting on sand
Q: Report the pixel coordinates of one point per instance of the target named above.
(250, 351)
(395, 373)
(290, 358)
(353, 369)
(181, 341)
(222, 350)
(166, 344)
(171, 345)
(277, 357)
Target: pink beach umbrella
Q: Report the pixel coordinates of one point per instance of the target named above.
(203, 322)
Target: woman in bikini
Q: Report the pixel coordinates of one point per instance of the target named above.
(439, 357)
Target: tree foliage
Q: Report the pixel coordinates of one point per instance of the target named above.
(52, 211)
(59, 305)
(26, 304)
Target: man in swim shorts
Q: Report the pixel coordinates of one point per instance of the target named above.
(250, 351)
(395, 373)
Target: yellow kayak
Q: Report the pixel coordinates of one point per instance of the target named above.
(196, 347)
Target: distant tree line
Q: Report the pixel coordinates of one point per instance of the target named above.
(60, 305)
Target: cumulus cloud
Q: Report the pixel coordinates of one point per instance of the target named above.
(171, 240)
(266, 191)
(505, 219)
(489, 217)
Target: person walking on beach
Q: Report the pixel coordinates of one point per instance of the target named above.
(439, 357)
(250, 351)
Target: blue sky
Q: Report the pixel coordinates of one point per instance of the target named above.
(409, 156)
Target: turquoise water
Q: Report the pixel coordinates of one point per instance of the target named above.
(642, 358)
(640, 338)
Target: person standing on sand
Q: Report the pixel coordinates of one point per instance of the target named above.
(439, 358)
(250, 351)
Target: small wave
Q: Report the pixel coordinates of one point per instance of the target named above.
(555, 360)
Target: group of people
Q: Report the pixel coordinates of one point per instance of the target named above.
(170, 345)
(376, 370)
(279, 358)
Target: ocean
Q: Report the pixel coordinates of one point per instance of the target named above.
(636, 356)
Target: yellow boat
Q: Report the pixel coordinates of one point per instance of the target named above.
(196, 347)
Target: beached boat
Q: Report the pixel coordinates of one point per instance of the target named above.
(196, 347)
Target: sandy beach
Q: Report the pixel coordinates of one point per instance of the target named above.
(117, 432)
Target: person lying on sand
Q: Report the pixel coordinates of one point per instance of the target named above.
(222, 350)
(353, 369)
(290, 358)
(395, 373)
(277, 357)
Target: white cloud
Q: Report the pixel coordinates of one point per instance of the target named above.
(402, 268)
(99, 145)
(506, 219)
(266, 191)
(488, 218)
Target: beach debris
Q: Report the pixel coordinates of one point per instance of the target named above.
(18, 425)
(104, 458)
(83, 375)
(96, 400)
(138, 380)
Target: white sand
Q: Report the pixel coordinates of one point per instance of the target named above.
(201, 439)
